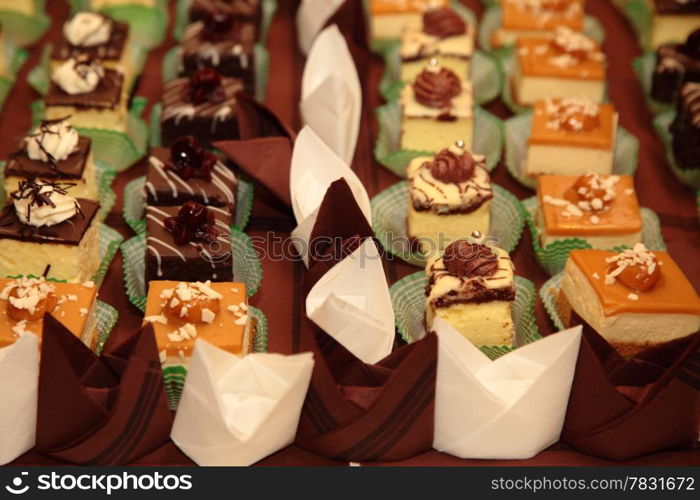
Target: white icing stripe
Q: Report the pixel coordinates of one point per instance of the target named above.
(159, 168)
(166, 245)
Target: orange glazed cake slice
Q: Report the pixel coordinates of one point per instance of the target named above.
(601, 209)
(527, 18)
(570, 64)
(182, 311)
(568, 128)
(635, 299)
(25, 301)
(389, 17)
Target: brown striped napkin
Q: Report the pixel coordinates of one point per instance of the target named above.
(100, 410)
(621, 408)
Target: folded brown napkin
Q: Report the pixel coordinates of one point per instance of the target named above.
(100, 410)
(352, 23)
(265, 149)
(621, 408)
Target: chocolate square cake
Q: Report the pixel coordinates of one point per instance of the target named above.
(239, 9)
(106, 95)
(202, 106)
(686, 127)
(19, 164)
(675, 65)
(188, 243)
(111, 50)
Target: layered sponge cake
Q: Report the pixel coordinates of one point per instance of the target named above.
(388, 18)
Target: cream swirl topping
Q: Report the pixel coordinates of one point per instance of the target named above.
(78, 75)
(52, 141)
(39, 203)
(87, 29)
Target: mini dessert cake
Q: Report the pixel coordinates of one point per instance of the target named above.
(568, 128)
(25, 301)
(187, 172)
(437, 110)
(202, 106)
(675, 65)
(536, 18)
(601, 209)
(570, 64)
(449, 198)
(55, 152)
(389, 17)
(182, 312)
(673, 20)
(89, 93)
(635, 299)
(98, 37)
(46, 232)
(239, 9)
(4, 69)
(191, 242)
(686, 127)
(101, 4)
(471, 287)
(26, 7)
(222, 43)
(441, 33)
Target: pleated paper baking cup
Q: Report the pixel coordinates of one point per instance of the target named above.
(105, 318)
(488, 139)
(174, 376)
(108, 245)
(638, 13)
(548, 295)
(390, 212)
(553, 257)
(120, 150)
(491, 21)
(246, 266)
(182, 18)
(408, 299)
(688, 176)
(171, 67)
(15, 58)
(517, 133)
(104, 176)
(135, 198)
(24, 30)
(644, 66)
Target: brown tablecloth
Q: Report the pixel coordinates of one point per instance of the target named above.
(279, 297)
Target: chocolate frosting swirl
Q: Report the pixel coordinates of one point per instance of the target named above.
(448, 166)
(469, 260)
(443, 22)
(435, 87)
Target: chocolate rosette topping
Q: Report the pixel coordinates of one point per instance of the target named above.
(206, 86)
(448, 166)
(436, 87)
(443, 23)
(465, 259)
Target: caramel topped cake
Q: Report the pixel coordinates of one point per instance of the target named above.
(471, 287)
(569, 64)
(635, 299)
(437, 110)
(571, 126)
(673, 20)
(181, 312)
(388, 18)
(202, 106)
(527, 18)
(686, 127)
(440, 33)
(602, 209)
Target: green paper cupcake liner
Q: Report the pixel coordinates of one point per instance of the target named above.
(171, 68)
(174, 376)
(408, 299)
(109, 244)
(640, 17)
(390, 211)
(104, 176)
(134, 204)
(644, 66)
(688, 176)
(106, 318)
(517, 132)
(553, 257)
(25, 30)
(488, 139)
(548, 295)
(16, 58)
(182, 18)
(491, 20)
(117, 149)
(246, 266)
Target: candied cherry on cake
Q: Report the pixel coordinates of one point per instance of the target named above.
(194, 222)
(217, 24)
(189, 159)
(206, 85)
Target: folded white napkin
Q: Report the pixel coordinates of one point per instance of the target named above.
(236, 411)
(19, 385)
(314, 167)
(509, 408)
(351, 302)
(331, 96)
(311, 16)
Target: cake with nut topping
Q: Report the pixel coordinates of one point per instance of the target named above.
(540, 18)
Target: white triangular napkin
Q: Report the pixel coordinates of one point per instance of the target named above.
(509, 408)
(331, 95)
(351, 302)
(236, 411)
(311, 16)
(19, 385)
